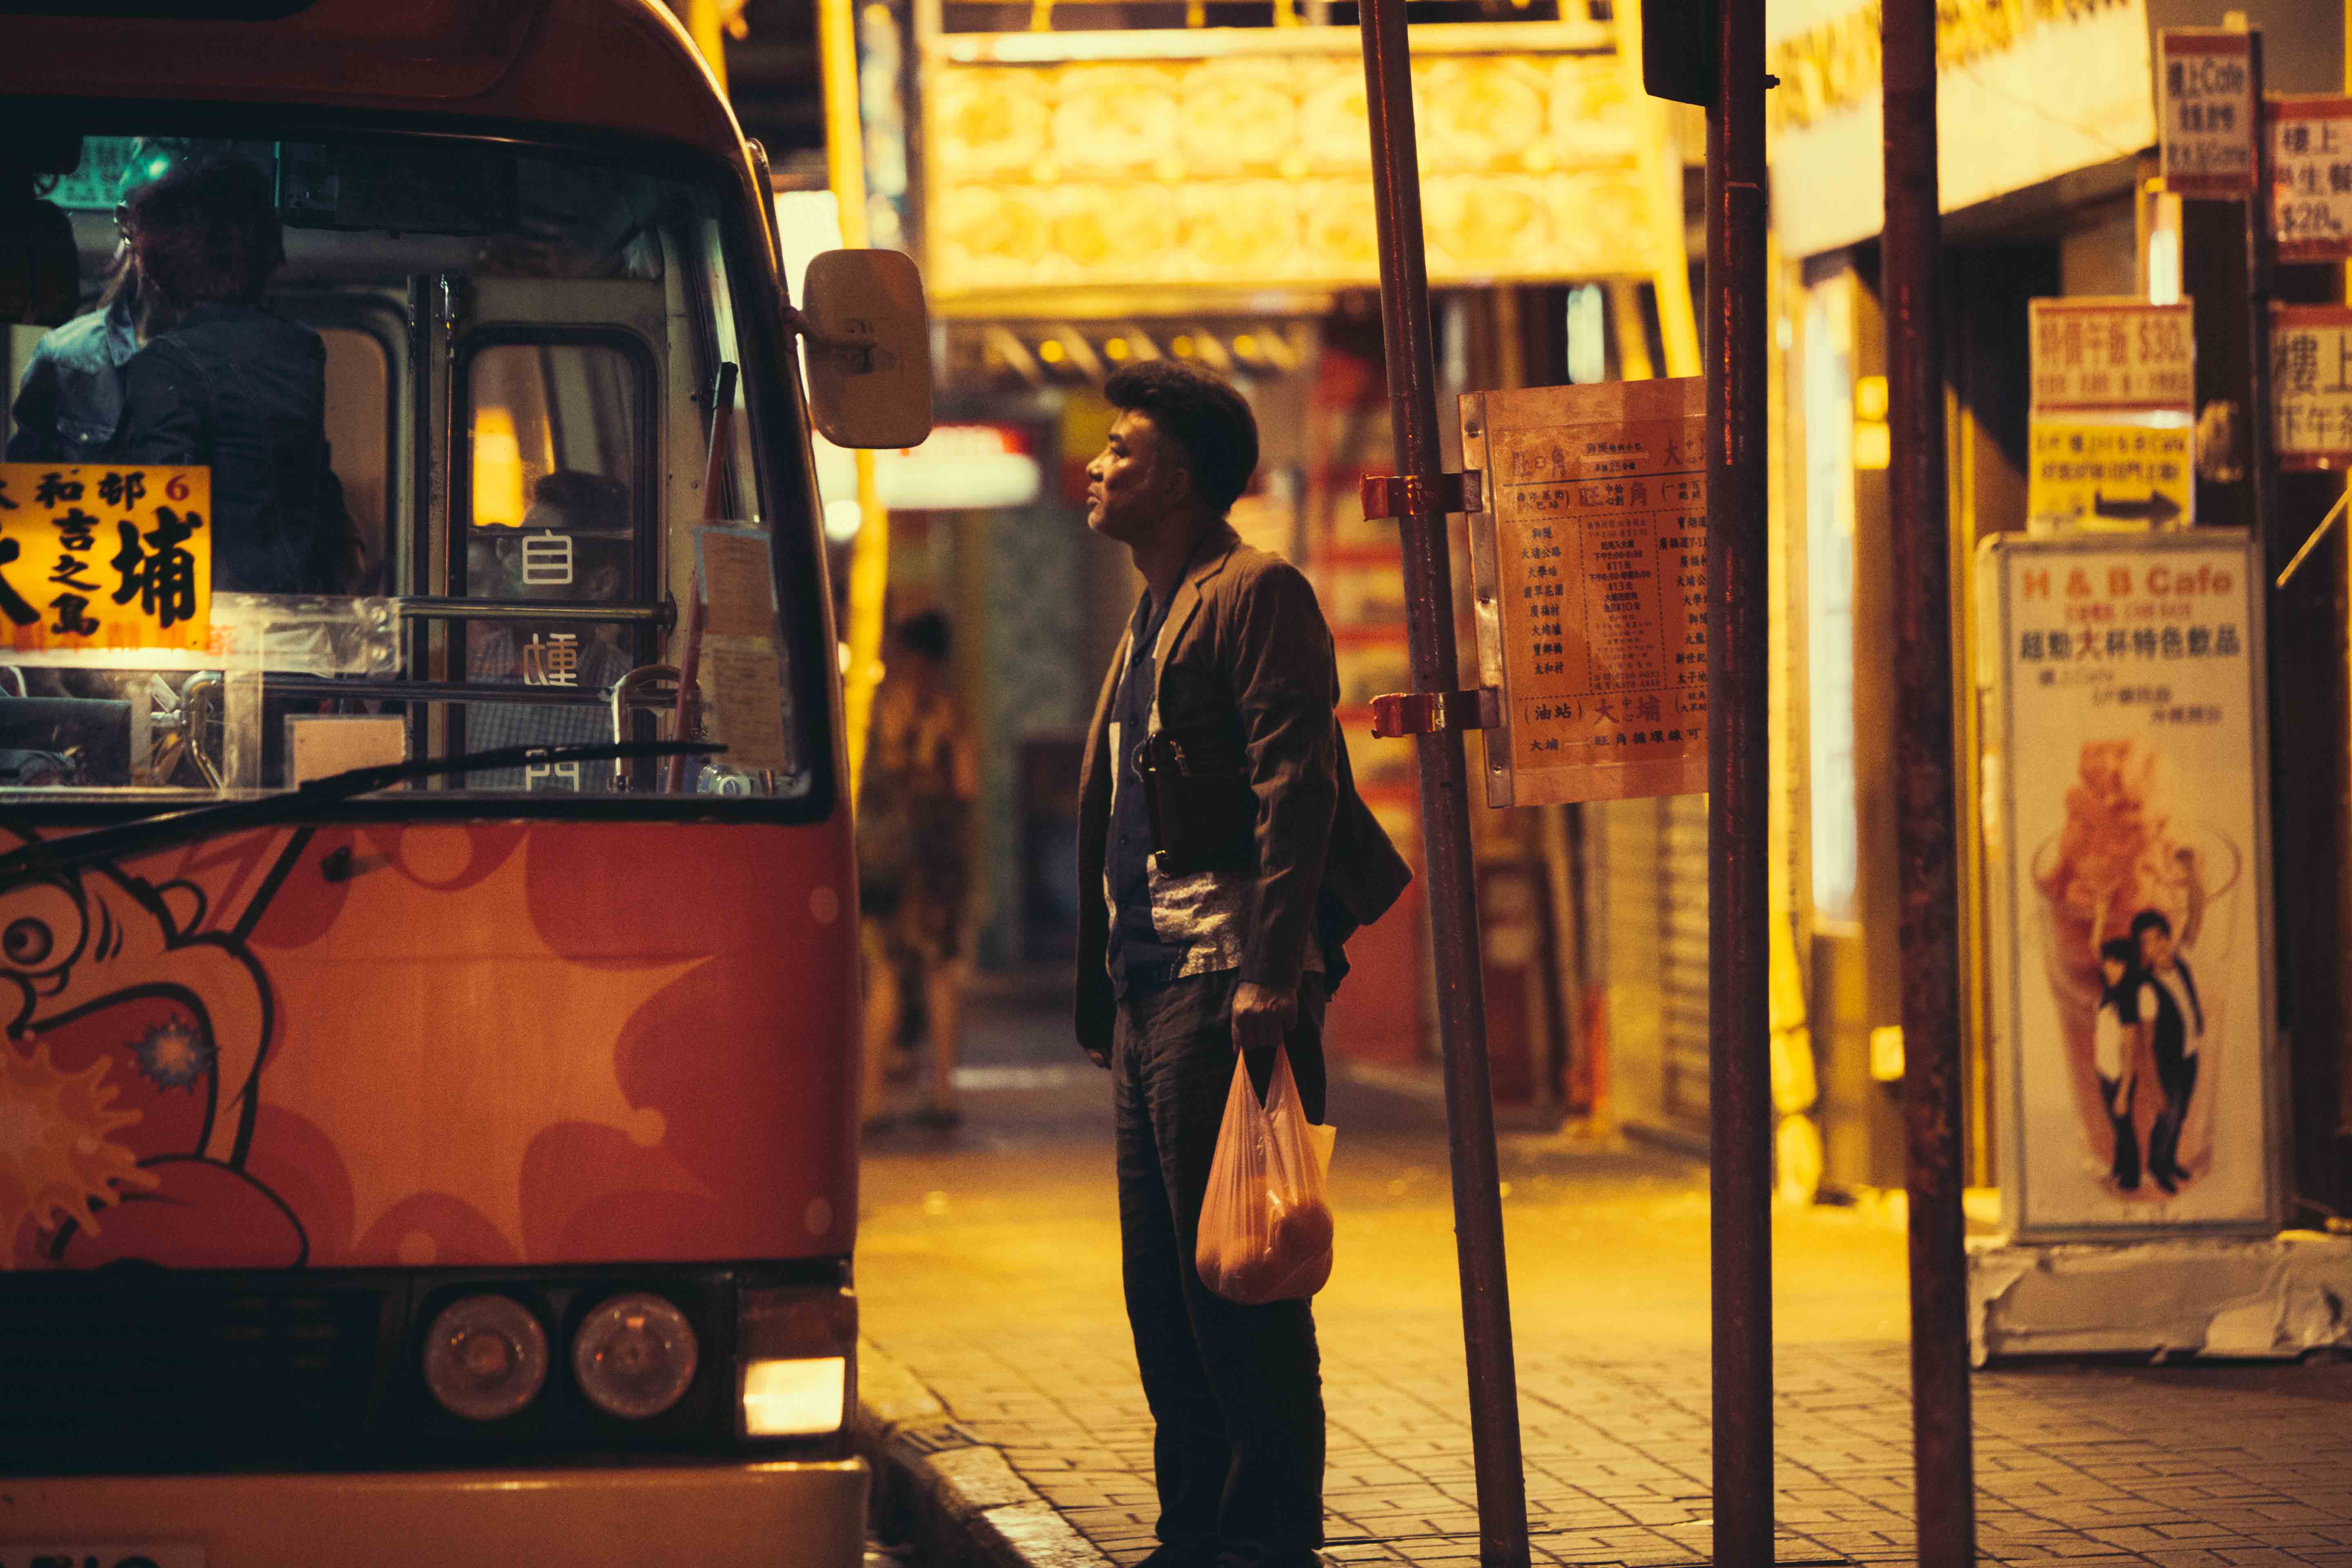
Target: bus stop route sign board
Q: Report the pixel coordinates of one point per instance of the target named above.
(2205, 87)
(2114, 388)
(1589, 567)
(105, 557)
(2311, 178)
(2311, 385)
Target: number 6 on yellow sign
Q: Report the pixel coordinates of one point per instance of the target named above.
(94, 556)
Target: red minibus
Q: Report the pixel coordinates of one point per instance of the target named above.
(426, 1103)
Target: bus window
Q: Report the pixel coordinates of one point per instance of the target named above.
(490, 368)
(358, 388)
(556, 492)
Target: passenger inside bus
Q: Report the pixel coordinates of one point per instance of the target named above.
(221, 380)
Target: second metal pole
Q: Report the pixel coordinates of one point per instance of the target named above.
(1444, 793)
(1942, 1453)
(1739, 1018)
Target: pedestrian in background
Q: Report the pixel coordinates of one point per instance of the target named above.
(1223, 856)
(914, 864)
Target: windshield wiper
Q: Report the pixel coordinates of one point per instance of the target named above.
(43, 858)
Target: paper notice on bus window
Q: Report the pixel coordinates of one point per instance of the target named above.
(100, 557)
(321, 744)
(739, 584)
(1590, 568)
(748, 690)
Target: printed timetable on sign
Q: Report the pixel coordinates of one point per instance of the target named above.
(1591, 570)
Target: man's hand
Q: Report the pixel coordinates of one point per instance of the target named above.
(1262, 1015)
(1100, 1059)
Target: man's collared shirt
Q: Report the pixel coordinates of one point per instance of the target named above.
(1140, 961)
(1163, 928)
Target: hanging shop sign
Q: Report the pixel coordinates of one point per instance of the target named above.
(2132, 910)
(2114, 389)
(1591, 569)
(2205, 86)
(2311, 385)
(2311, 178)
(96, 557)
(1231, 161)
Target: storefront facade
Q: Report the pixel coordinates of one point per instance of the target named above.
(2048, 165)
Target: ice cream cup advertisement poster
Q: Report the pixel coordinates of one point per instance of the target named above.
(2127, 830)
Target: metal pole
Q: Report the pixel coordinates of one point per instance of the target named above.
(2261, 473)
(1738, 1020)
(1942, 1460)
(1444, 793)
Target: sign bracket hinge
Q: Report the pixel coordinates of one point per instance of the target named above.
(1402, 713)
(1393, 495)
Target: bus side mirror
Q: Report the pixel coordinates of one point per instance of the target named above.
(868, 338)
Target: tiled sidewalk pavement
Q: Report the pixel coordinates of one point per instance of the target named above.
(988, 1268)
(2084, 1466)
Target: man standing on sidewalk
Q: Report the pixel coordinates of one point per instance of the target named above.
(1223, 857)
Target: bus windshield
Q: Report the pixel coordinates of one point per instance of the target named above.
(360, 448)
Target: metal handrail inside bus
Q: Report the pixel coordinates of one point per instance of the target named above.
(663, 614)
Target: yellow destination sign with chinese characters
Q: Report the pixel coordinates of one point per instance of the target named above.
(2086, 474)
(105, 557)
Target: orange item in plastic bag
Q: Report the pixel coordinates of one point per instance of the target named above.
(1266, 1224)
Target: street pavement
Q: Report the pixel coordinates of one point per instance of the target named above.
(988, 1268)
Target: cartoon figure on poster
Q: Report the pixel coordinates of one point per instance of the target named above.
(2135, 897)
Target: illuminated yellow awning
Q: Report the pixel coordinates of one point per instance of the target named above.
(1222, 163)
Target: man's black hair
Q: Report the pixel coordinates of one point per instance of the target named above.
(927, 635)
(206, 232)
(1202, 415)
(2149, 920)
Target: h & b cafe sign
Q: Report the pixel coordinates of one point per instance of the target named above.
(2129, 846)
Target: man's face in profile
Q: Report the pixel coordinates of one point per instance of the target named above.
(2156, 947)
(1129, 491)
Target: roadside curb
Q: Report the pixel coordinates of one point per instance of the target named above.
(938, 1486)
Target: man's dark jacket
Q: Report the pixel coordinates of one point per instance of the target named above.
(1245, 658)
(244, 393)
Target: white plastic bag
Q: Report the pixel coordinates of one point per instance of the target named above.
(1265, 1224)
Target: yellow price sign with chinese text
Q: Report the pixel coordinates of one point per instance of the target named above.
(97, 556)
(2088, 474)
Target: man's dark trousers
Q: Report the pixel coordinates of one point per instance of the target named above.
(1237, 1392)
